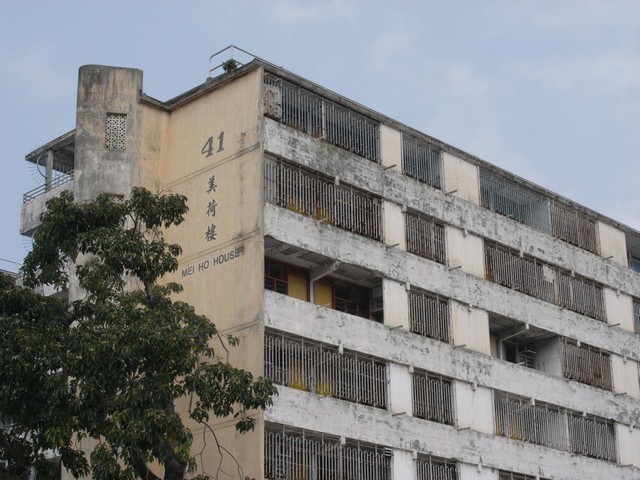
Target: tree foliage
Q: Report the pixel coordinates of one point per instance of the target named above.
(110, 365)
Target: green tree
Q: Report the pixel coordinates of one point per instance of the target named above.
(110, 365)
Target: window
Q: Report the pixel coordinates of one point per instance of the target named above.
(115, 131)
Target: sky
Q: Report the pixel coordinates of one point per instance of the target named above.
(549, 90)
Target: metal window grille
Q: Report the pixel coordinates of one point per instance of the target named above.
(551, 426)
(586, 364)
(317, 196)
(513, 200)
(433, 468)
(636, 315)
(529, 275)
(574, 227)
(425, 237)
(314, 367)
(432, 397)
(115, 131)
(292, 454)
(429, 315)
(505, 475)
(422, 161)
(321, 118)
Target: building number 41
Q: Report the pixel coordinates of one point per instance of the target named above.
(209, 145)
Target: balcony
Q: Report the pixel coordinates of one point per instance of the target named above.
(321, 118)
(535, 348)
(425, 237)
(422, 161)
(295, 454)
(547, 282)
(434, 468)
(523, 204)
(317, 196)
(312, 277)
(429, 315)
(432, 397)
(326, 370)
(551, 426)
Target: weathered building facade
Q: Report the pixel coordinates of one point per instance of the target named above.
(425, 314)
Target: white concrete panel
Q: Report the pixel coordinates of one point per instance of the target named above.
(613, 244)
(393, 229)
(390, 148)
(465, 251)
(396, 304)
(470, 327)
(628, 445)
(461, 178)
(400, 389)
(403, 465)
(474, 407)
(619, 309)
(625, 376)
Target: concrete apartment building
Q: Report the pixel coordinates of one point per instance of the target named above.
(425, 314)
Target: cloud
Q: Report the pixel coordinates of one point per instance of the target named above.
(293, 11)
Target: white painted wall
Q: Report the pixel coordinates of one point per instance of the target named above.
(619, 309)
(399, 389)
(474, 407)
(461, 178)
(472, 472)
(396, 304)
(393, 230)
(628, 444)
(403, 465)
(390, 148)
(625, 376)
(549, 357)
(612, 244)
(465, 251)
(470, 327)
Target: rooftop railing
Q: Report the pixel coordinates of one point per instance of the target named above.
(312, 194)
(42, 189)
(555, 427)
(422, 161)
(292, 454)
(531, 276)
(314, 367)
(321, 118)
(519, 202)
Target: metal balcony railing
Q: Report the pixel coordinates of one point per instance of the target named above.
(42, 189)
(586, 364)
(302, 455)
(524, 205)
(531, 276)
(321, 118)
(425, 237)
(314, 195)
(429, 315)
(432, 398)
(422, 161)
(314, 367)
(432, 468)
(554, 427)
